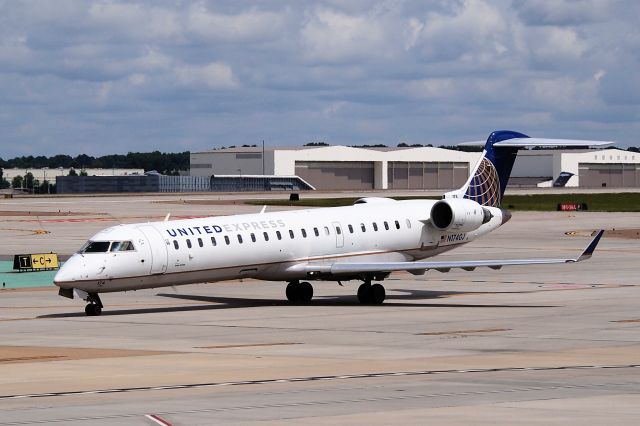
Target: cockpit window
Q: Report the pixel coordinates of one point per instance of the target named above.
(105, 246)
(96, 247)
(122, 246)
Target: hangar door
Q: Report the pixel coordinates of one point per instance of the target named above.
(423, 175)
(609, 175)
(337, 174)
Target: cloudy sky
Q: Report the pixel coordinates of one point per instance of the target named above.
(112, 77)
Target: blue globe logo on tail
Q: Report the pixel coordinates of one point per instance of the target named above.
(484, 187)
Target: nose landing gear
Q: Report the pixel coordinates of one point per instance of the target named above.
(94, 308)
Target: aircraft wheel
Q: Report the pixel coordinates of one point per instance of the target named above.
(293, 291)
(377, 294)
(305, 292)
(92, 310)
(365, 295)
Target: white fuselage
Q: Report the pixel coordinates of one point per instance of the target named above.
(267, 246)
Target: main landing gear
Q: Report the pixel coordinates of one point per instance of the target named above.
(94, 308)
(369, 294)
(299, 292)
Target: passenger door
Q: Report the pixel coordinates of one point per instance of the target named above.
(158, 248)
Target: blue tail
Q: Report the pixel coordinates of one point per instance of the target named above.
(490, 176)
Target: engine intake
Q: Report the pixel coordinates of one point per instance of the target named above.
(460, 215)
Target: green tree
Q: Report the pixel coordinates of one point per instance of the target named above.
(72, 172)
(28, 180)
(45, 187)
(17, 182)
(4, 184)
(83, 172)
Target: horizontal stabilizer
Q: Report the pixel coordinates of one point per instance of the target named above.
(539, 142)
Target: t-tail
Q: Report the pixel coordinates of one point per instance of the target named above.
(490, 176)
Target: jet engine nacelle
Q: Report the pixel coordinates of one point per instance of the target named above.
(459, 215)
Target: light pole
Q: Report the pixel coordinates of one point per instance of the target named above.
(44, 170)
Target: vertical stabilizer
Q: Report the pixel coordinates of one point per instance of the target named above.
(490, 175)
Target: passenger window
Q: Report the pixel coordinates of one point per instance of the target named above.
(175, 244)
(350, 229)
(200, 243)
(240, 238)
(316, 232)
(291, 233)
(96, 247)
(253, 237)
(266, 236)
(364, 229)
(188, 243)
(227, 240)
(213, 241)
(386, 225)
(326, 230)
(338, 230)
(375, 226)
(279, 235)
(303, 232)
(408, 224)
(397, 224)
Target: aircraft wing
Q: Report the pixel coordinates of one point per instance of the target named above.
(419, 268)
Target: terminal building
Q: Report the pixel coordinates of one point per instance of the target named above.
(351, 168)
(51, 174)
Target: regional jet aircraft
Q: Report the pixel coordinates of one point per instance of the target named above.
(365, 242)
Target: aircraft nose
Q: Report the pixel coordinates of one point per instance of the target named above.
(68, 272)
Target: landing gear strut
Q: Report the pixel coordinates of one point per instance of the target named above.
(369, 294)
(299, 292)
(94, 308)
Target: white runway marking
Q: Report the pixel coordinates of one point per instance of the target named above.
(157, 420)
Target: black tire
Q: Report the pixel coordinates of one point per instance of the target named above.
(293, 291)
(365, 295)
(377, 294)
(306, 292)
(97, 310)
(90, 310)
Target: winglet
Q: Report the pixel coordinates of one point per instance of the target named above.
(586, 254)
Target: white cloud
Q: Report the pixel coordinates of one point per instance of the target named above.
(472, 31)
(554, 44)
(562, 12)
(564, 93)
(250, 25)
(214, 75)
(331, 36)
(137, 21)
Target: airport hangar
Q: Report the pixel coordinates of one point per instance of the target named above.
(352, 168)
